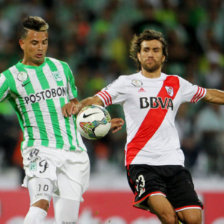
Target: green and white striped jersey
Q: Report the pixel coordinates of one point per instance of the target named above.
(38, 93)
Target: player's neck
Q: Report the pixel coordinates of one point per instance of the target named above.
(28, 62)
(152, 75)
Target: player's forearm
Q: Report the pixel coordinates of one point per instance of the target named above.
(74, 106)
(91, 100)
(214, 96)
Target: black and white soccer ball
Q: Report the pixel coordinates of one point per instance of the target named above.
(93, 122)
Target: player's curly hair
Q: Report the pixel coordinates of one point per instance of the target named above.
(135, 47)
(33, 23)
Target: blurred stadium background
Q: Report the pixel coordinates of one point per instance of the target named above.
(93, 36)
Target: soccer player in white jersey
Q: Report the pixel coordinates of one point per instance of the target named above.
(54, 157)
(153, 157)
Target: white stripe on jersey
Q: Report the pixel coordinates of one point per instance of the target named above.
(52, 83)
(31, 115)
(2, 80)
(71, 119)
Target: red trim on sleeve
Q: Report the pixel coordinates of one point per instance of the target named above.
(195, 95)
(199, 94)
(104, 98)
(108, 95)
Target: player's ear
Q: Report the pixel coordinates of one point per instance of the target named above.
(163, 59)
(138, 56)
(21, 43)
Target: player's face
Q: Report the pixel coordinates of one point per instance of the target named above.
(151, 55)
(34, 47)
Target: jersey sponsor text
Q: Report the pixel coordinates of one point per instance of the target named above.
(155, 102)
(46, 94)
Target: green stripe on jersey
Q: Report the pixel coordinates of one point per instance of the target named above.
(27, 123)
(36, 109)
(62, 103)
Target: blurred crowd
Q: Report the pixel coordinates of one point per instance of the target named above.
(94, 38)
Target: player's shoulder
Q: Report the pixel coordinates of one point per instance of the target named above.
(175, 76)
(55, 60)
(127, 77)
(171, 75)
(9, 71)
(183, 83)
(127, 80)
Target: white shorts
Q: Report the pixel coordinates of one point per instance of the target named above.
(68, 171)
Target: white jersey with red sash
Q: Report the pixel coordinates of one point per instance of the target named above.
(150, 106)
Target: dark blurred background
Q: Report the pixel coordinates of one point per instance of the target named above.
(93, 36)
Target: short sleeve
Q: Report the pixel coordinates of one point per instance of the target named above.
(191, 93)
(114, 93)
(4, 87)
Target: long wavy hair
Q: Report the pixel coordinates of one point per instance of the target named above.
(135, 47)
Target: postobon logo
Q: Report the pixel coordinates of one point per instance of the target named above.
(45, 94)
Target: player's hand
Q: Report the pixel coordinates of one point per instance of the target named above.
(116, 124)
(70, 108)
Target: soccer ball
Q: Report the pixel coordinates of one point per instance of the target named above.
(93, 122)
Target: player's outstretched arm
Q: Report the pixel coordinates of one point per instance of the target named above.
(91, 100)
(214, 96)
(74, 106)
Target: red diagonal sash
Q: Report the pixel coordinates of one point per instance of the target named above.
(152, 121)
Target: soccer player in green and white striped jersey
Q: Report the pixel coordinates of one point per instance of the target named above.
(37, 93)
(54, 157)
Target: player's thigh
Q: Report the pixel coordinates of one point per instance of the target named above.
(160, 206)
(73, 177)
(40, 191)
(65, 210)
(190, 216)
(68, 188)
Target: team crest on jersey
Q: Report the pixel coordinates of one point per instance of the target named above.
(22, 76)
(169, 90)
(57, 76)
(136, 83)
